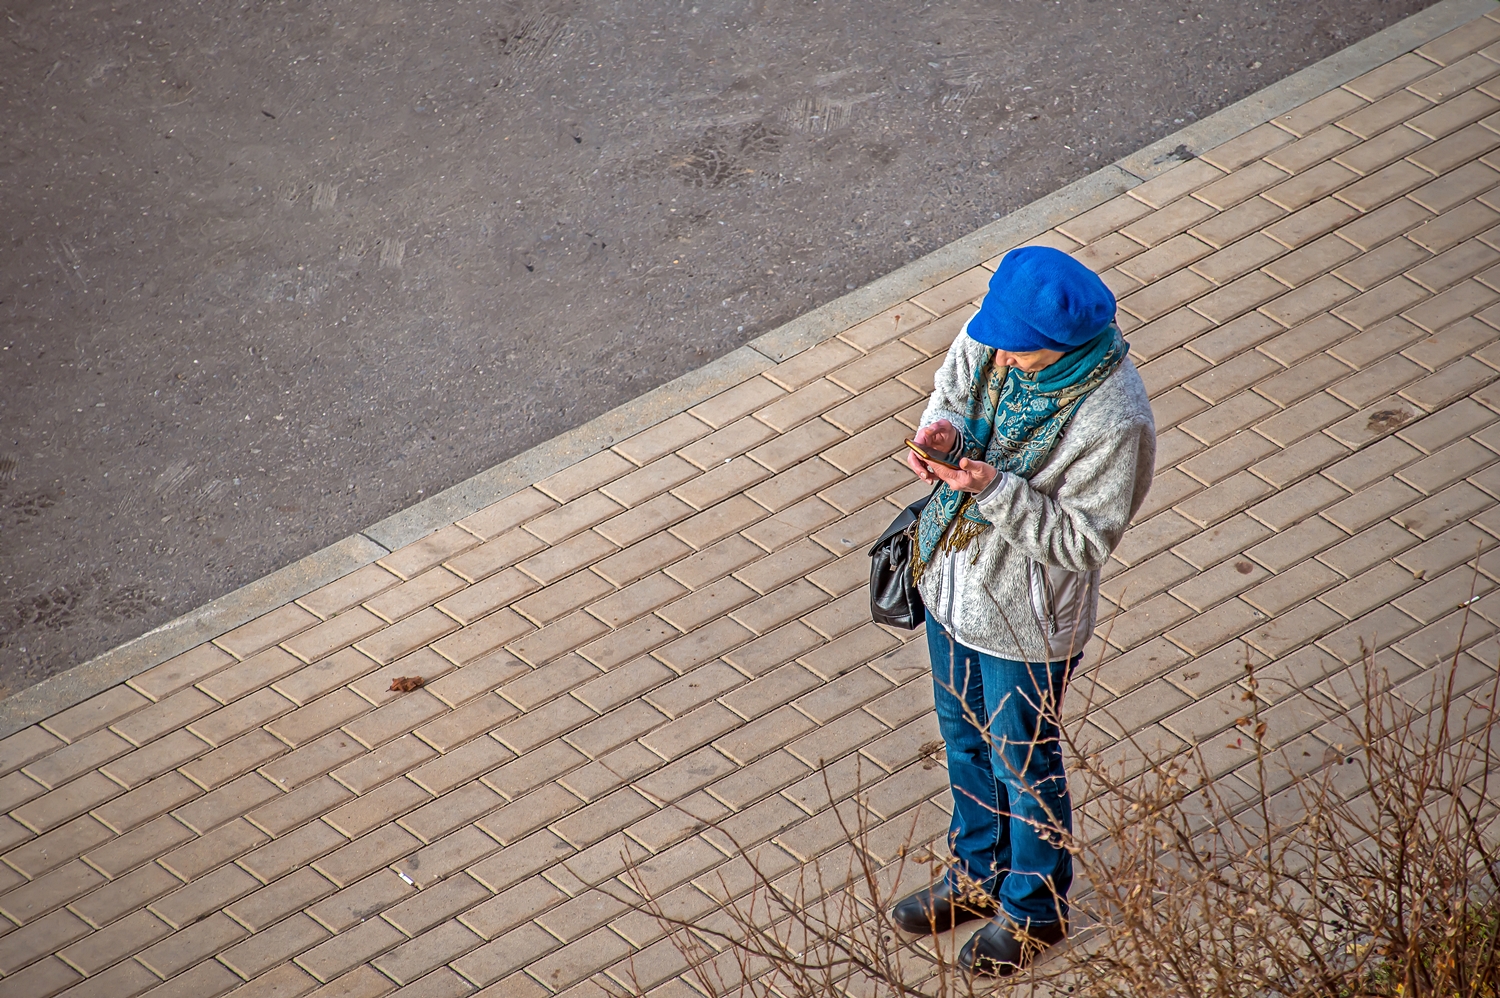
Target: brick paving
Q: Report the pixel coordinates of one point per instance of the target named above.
(675, 632)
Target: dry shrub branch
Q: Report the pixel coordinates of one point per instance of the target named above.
(1354, 861)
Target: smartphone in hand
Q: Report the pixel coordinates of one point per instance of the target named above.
(925, 455)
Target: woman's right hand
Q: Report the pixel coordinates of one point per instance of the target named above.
(937, 437)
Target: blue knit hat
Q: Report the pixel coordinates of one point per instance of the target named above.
(1042, 299)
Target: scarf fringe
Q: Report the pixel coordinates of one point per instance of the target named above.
(961, 533)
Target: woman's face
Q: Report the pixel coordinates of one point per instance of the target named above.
(1028, 361)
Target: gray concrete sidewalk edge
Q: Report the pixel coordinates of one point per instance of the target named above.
(1400, 38)
(207, 622)
(544, 459)
(301, 577)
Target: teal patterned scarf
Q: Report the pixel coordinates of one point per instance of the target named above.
(1014, 419)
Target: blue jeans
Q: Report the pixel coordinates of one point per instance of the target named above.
(1010, 792)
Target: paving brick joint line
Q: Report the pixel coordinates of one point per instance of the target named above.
(660, 646)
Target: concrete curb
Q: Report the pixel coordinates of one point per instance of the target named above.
(1319, 78)
(533, 465)
(301, 577)
(826, 321)
(207, 622)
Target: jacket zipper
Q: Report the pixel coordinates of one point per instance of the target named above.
(951, 588)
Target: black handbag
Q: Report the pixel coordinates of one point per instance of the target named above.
(894, 599)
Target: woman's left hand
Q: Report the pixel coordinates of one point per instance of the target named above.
(971, 476)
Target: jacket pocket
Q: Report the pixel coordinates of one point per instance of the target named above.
(1063, 604)
(1043, 601)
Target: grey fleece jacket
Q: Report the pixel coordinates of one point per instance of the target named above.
(1028, 588)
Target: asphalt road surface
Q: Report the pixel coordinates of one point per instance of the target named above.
(272, 271)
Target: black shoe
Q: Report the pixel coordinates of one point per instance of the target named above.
(1003, 947)
(940, 907)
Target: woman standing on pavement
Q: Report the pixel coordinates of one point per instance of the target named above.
(1048, 424)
